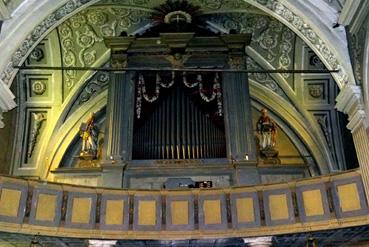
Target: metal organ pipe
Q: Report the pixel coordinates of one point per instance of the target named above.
(178, 129)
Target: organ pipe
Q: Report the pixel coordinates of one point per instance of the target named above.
(178, 129)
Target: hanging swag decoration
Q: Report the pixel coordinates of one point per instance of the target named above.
(216, 92)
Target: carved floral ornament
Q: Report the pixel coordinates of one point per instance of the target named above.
(38, 87)
(275, 6)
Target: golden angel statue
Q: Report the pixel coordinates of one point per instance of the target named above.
(89, 134)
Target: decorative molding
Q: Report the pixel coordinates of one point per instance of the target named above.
(264, 79)
(274, 5)
(38, 119)
(327, 54)
(357, 120)
(39, 87)
(350, 102)
(37, 54)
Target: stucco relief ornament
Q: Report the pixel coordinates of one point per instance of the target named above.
(37, 54)
(38, 119)
(94, 86)
(316, 91)
(237, 62)
(97, 17)
(38, 87)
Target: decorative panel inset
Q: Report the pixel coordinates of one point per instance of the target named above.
(316, 91)
(38, 88)
(312, 61)
(349, 197)
(37, 56)
(278, 207)
(36, 121)
(313, 202)
(245, 209)
(147, 213)
(81, 210)
(12, 202)
(180, 212)
(114, 212)
(212, 212)
(46, 207)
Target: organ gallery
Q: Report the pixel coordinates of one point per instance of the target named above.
(194, 122)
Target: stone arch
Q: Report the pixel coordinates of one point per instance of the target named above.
(51, 14)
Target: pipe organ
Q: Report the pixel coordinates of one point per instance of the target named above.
(189, 110)
(178, 127)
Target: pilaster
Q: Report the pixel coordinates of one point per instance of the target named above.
(119, 125)
(237, 104)
(120, 114)
(350, 101)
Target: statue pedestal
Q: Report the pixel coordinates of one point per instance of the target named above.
(88, 163)
(269, 153)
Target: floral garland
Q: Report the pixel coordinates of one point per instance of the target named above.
(219, 95)
(142, 93)
(139, 98)
(141, 83)
(171, 83)
(198, 80)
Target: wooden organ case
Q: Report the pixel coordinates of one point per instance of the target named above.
(179, 107)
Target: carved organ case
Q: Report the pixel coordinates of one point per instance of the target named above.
(179, 97)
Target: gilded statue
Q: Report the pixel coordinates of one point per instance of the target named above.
(89, 134)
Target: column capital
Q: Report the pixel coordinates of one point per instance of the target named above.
(6, 97)
(259, 241)
(350, 101)
(356, 120)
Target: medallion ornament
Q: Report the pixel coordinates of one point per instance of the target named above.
(38, 87)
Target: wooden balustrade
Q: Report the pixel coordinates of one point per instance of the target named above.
(328, 202)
